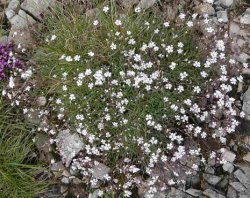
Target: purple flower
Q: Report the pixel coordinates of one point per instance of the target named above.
(8, 60)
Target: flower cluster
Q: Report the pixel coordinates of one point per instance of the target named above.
(136, 91)
(7, 59)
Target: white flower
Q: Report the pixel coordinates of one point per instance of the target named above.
(171, 182)
(220, 45)
(72, 97)
(180, 45)
(204, 74)
(180, 88)
(182, 16)
(131, 41)
(11, 82)
(64, 88)
(27, 74)
(172, 66)
(137, 9)
(195, 167)
(69, 59)
(242, 114)
(197, 89)
(170, 48)
(53, 37)
(156, 31)
(197, 64)
(127, 193)
(100, 193)
(210, 29)
(118, 22)
(117, 33)
(190, 24)
(95, 22)
(77, 58)
(105, 9)
(62, 57)
(113, 46)
(91, 54)
(166, 24)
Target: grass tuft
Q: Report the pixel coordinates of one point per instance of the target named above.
(17, 171)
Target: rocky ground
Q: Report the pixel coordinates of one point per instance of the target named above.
(22, 17)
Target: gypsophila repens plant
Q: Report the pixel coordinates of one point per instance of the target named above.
(7, 59)
(135, 88)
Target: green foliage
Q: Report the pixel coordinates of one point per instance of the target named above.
(16, 169)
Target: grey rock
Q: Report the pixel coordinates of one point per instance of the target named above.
(223, 184)
(231, 193)
(247, 157)
(53, 191)
(76, 181)
(41, 101)
(42, 142)
(156, 195)
(194, 192)
(212, 194)
(36, 7)
(9, 13)
(243, 196)
(222, 15)
(228, 167)
(12, 8)
(210, 170)
(145, 4)
(244, 166)
(68, 145)
(245, 18)
(229, 156)
(129, 3)
(21, 21)
(65, 180)
(234, 29)
(246, 141)
(143, 190)
(58, 166)
(219, 8)
(205, 8)
(4, 39)
(171, 12)
(237, 186)
(100, 170)
(14, 5)
(241, 42)
(246, 103)
(33, 117)
(63, 189)
(193, 181)
(66, 173)
(21, 36)
(92, 13)
(3, 2)
(226, 3)
(243, 57)
(175, 193)
(245, 123)
(212, 179)
(242, 177)
(211, 162)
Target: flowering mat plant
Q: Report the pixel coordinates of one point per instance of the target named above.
(133, 100)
